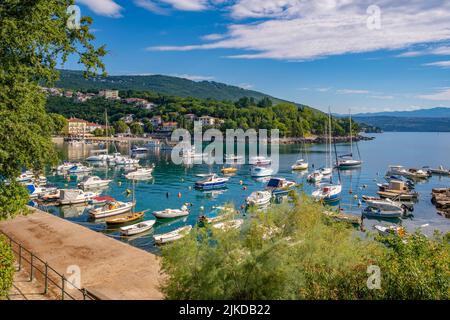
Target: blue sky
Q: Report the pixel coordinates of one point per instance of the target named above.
(345, 54)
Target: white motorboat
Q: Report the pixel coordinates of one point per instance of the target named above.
(139, 173)
(37, 191)
(315, 177)
(227, 225)
(136, 149)
(98, 156)
(384, 204)
(381, 214)
(260, 161)
(212, 182)
(79, 169)
(25, 177)
(75, 196)
(233, 157)
(93, 182)
(409, 173)
(390, 230)
(280, 186)
(137, 228)
(328, 193)
(326, 171)
(440, 171)
(300, 165)
(172, 236)
(259, 198)
(64, 167)
(217, 214)
(111, 208)
(171, 213)
(257, 171)
(123, 161)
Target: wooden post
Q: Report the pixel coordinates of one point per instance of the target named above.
(31, 265)
(46, 279)
(63, 278)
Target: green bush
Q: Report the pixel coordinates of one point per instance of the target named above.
(6, 267)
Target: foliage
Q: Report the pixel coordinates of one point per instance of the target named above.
(59, 124)
(34, 37)
(295, 252)
(136, 129)
(6, 267)
(121, 127)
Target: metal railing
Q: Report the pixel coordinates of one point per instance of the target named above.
(50, 277)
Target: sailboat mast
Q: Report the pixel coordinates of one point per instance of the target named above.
(326, 144)
(351, 133)
(330, 135)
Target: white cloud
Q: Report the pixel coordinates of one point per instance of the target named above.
(442, 95)
(107, 8)
(302, 30)
(441, 64)
(212, 37)
(352, 91)
(162, 6)
(439, 51)
(150, 6)
(382, 97)
(193, 77)
(246, 86)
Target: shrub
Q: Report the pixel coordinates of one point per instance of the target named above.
(6, 267)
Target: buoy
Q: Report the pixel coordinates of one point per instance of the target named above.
(68, 178)
(241, 182)
(355, 196)
(202, 208)
(128, 191)
(244, 188)
(120, 183)
(179, 194)
(182, 180)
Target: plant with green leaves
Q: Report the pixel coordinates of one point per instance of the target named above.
(6, 267)
(35, 37)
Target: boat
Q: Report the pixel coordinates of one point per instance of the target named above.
(217, 214)
(137, 228)
(98, 201)
(410, 184)
(278, 186)
(257, 171)
(136, 149)
(172, 236)
(390, 230)
(75, 196)
(347, 161)
(25, 177)
(37, 191)
(386, 204)
(233, 158)
(260, 161)
(79, 169)
(397, 189)
(409, 173)
(259, 198)
(98, 156)
(300, 165)
(172, 213)
(139, 173)
(93, 182)
(315, 177)
(378, 213)
(326, 171)
(50, 196)
(130, 217)
(123, 161)
(229, 170)
(111, 208)
(64, 167)
(212, 182)
(440, 171)
(227, 225)
(328, 192)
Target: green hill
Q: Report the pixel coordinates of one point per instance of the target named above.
(165, 85)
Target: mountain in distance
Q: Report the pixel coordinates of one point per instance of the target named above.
(422, 120)
(167, 85)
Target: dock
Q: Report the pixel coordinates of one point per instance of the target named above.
(109, 268)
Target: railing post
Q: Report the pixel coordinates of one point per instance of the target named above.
(63, 278)
(31, 266)
(20, 257)
(46, 279)
(84, 294)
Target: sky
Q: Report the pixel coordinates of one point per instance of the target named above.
(363, 56)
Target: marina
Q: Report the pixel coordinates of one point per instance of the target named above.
(173, 186)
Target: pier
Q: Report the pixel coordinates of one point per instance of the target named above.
(109, 268)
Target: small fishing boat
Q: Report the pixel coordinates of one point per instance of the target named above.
(260, 161)
(328, 193)
(257, 171)
(50, 196)
(37, 191)
(233, 157)
(93, 182)
(300, 165)
(111, 208)
(75, 196)
(278, 186)
(139, 173)
(130, 217)
(217, 214)
(172, 213)
(229, 170)
(259, 198)
(137, 228)
(227, 225)
(136, 149)
(315, 177)
(378, 213)
(397, 189)
(326, 171)
(79, 169)
(386, 204)
(440, 171)
(172, 236)
(212, 182)
(390, 230)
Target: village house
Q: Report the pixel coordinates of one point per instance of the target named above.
(169, 126)
(91, 127)
(156, 121)
(190, 117)
(109, 94)
(208, 121)
(77, 127)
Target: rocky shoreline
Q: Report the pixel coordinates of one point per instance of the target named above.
(322, 139)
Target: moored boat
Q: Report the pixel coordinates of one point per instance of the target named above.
(328, 192)
(279, 186)
(229, 170)
(258, 171)
(300, 165)
(212, 182)
(259, 198)
(93, 182)
(260, 161)
(315, 177)
(171, 213)
(227, 225)
(111, 208)
(130, 217)
(440, 171)
(390, 230)
(172, 236)
(75, 196)
(137, 228)
(372, 212)
(139, 173)
(79, 169)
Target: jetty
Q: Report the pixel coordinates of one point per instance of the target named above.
(108, 268)
(441, 200)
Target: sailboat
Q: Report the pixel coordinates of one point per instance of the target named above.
(347, 161)
(302, 163)
(329, 192)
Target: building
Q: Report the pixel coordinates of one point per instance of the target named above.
(207, 120)
(109, 94)
(129, 118)
(68, 94)
(91, 127)
(77, 127)
(190, 117)
(156, 121)
(169, 126)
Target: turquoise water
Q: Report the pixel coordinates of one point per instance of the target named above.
(172, 185)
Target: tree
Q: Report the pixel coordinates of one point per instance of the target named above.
(35, 37)
(6, 267)
(148, 126)
(59, 124)
(136, 129)
(120, 126)
(265, 103)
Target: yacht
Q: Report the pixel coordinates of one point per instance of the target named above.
(93, 182)
(75, 196)
(211, 182)
(300, 165)
(260, 161)
(111, 208)
(347, 161)
(79, 169)
(328, 193)
(259, 198)
(257, 171)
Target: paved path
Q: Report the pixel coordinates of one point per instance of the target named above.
(109, 268)
(24, 289)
